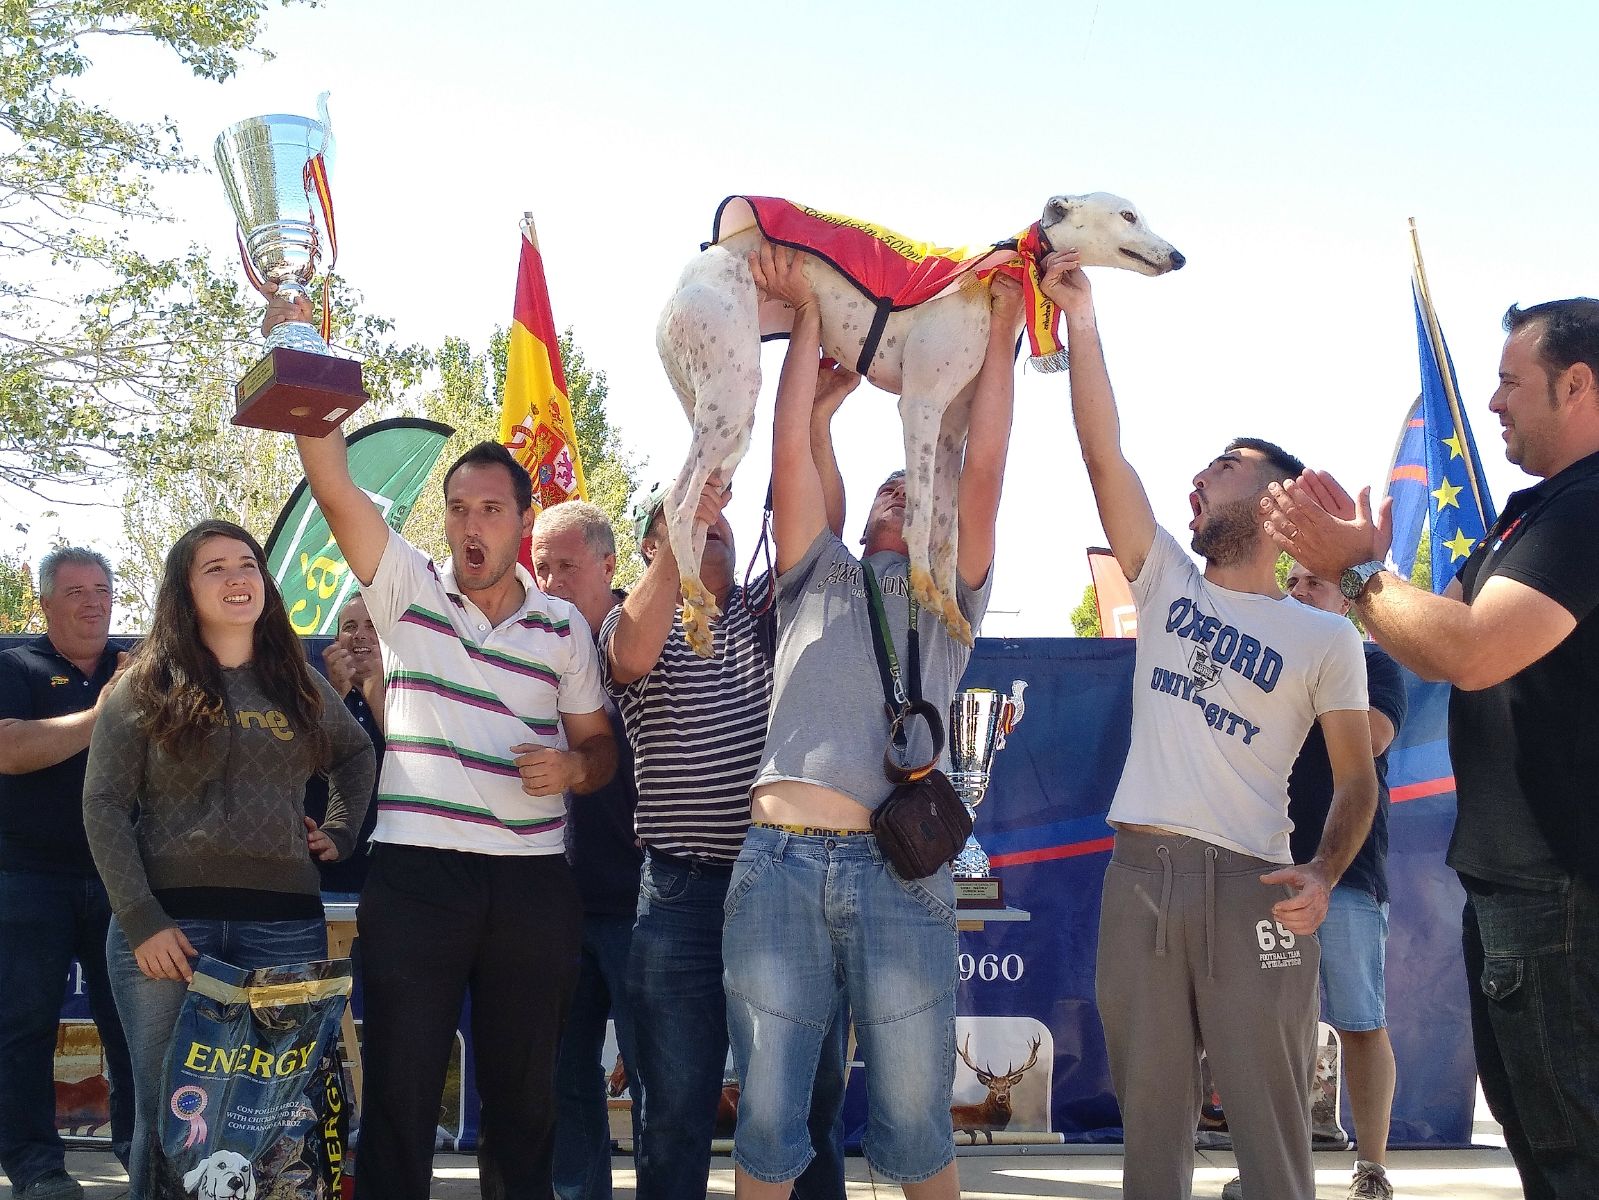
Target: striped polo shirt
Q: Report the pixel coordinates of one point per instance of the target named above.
(697, 727)
(460, 694)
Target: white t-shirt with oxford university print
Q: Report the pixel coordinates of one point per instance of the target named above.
(1225, 687)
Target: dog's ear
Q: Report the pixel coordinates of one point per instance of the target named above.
(191, 1181)
(249, 1182)
(1055, 211)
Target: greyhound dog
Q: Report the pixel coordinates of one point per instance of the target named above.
(709, 339)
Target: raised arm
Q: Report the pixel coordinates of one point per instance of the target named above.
(357, 525)
(800, 503)
(833, 383)
(645, 621)
(1124, 508)
(988, 435)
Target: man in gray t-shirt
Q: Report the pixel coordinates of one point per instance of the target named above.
(814, 913)
(826, 664)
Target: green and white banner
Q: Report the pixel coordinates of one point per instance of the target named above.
(389, 461)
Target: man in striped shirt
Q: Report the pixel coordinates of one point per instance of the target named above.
(697, 727)
(469, 890)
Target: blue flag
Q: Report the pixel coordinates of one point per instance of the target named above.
(1407, 487)
(1458, 508)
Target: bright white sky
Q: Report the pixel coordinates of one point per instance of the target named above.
(1280, 147)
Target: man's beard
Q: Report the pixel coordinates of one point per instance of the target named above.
(1229, 535)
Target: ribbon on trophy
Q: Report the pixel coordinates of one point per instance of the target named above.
(316, 182)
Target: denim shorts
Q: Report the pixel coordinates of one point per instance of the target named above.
(809, 918)
(1354, 940)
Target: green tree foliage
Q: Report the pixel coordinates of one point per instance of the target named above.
(92, 328)
(19, 603)
(1085, 617)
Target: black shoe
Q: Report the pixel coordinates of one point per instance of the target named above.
(52, 1185)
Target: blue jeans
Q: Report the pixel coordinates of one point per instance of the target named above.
(1532, 964)
(1354, 941)
(809, 918)
(45, 921)
(680, 1024)
(150, 1007)
(582, 1125)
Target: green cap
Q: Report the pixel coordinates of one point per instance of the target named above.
(644, 511)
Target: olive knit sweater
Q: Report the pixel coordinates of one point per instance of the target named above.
(227, 815)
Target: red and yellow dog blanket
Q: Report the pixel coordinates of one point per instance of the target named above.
(895, 272)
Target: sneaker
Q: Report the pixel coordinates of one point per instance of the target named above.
(1370, 1182)
(52, 1185)
(1233, 1189)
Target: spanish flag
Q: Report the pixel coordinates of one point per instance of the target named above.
(535, 419)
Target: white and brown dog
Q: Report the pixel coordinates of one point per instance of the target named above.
(709, 339)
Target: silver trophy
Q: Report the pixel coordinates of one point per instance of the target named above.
(979, 720)
(275, 171)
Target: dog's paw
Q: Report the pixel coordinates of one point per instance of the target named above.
(697, 632)
(959, 627)
(925, 590)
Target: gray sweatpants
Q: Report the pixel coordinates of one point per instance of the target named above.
(1190, 957)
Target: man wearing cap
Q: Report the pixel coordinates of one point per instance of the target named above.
(697, 726)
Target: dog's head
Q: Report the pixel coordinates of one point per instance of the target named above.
(222, 1176)
(1109, 232)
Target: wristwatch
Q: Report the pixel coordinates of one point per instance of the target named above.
(1353, 581)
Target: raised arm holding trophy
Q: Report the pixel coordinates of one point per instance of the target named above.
(275, 170)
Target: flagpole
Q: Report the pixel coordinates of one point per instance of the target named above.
(1440, 355)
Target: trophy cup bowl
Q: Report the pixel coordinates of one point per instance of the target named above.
(979, 720)
(302, 385)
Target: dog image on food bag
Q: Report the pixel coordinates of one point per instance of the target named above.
(224, 1175)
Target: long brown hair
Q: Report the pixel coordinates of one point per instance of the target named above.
(176, 681)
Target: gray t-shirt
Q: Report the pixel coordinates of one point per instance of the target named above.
(828, 726)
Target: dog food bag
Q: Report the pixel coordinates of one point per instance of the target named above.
(255, 1103)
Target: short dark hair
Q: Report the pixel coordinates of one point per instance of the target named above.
(1283, 464)
(1568, 331)
(492, 454)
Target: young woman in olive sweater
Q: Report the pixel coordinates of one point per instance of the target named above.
(193, 797)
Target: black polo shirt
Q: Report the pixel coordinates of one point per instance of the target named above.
(1526, 751)
(601, 845)
(348, 874)
(1310, 784)
(41, 813)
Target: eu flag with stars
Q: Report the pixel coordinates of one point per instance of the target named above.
(1458, 509)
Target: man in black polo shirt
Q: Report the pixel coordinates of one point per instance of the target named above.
(52, 905)
(1517, 634)
(573, 553)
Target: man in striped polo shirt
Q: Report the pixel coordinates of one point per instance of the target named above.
(469, 890)
(697, 727)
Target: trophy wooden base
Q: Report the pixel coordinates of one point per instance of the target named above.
(294, 391)
(979, 893)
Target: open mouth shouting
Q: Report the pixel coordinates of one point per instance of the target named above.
(474, 555)
(1194, 503)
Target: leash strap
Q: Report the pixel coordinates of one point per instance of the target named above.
(901, 704)
(762, 552)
